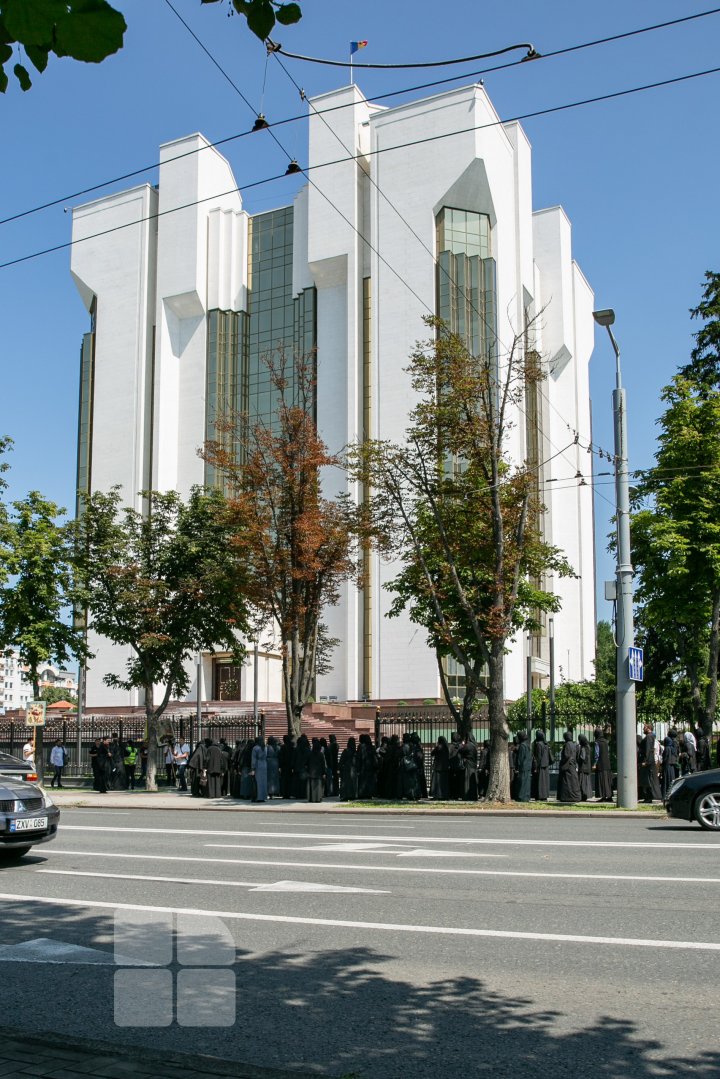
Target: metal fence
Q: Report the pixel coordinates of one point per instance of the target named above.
(434, 721)
(131, 727)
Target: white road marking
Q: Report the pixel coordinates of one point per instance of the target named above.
(593, 844)
(426, 852)
(372, 848)
(44, 950)
(376, 927)
(253, 886)
(427, 870)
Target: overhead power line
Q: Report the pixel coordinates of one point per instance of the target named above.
(344, 105)
(532, 53)
(385, 149)
(273, 46)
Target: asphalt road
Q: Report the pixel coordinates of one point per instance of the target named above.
(375, 947)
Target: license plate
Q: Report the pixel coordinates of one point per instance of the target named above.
(29, 824)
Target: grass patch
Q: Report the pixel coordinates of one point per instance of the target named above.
(479, 807)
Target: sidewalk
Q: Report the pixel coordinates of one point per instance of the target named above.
(172, 799)
(48, 1056)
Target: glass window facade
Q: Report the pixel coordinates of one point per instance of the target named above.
(467, 302)
(85, 418)
(237, 376)
(466, 279)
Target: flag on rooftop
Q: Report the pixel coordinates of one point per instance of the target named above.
(355, 45)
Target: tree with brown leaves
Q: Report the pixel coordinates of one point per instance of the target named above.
(297, 545)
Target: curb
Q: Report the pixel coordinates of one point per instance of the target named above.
(191, 1063)
(200, 805)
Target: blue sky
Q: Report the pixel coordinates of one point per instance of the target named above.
(637, 176)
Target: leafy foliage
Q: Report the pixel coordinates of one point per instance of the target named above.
(704, 366)
(88, 30)
(296, 545)
(167, 583)
(92, 30)
(676, 547)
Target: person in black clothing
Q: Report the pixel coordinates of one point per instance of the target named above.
(439, 789)
(669, 763)
(584, 761)
(523, 764)
(568, 783)
(197, 771)
(456, 769)
(383, 767)
(512, 765)
(334, 757)
(419, 757)
(602, 767)
(348, 772)
(216, 768)
(366, 768)
(469, 755)
(702, 750)
(483, 768)
(301, 767)
(317, 768)
(97, 756)
(541, 761)
(285, 760)
(647, 775)
(408, 774)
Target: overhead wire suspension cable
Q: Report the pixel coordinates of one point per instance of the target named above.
(344, 105)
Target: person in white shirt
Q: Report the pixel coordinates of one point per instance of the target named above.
(28, 752)
(58, 758)
(182, 756)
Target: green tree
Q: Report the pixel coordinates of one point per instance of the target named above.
(676, 546)
(704, 366)
(92, 30)
(605, 655)
(464, 521)
(168, 583)
(53, 694)
(35, 604)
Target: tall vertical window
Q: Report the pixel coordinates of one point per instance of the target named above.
(466, 279)
(237, 376)
(466, 301)
(85, 413)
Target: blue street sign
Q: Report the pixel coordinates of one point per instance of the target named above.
(635, 664)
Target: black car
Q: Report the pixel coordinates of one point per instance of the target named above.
(697, 797)
(27, 816)
(18, 769)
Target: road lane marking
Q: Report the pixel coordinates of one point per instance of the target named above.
(275, 886)
(593, 844)
(376, 927)
(332, 848)
(427, 870)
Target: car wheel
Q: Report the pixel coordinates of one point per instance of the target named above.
(707, 810)
(11, 853)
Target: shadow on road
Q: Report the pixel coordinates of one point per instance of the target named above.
(351, 1011)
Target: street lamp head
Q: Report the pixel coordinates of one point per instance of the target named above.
(604, 318)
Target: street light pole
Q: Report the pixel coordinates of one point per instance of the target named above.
(626, 722)
(528, 686)
(551, 631)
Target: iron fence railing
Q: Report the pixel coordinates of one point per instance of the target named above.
(131, 727)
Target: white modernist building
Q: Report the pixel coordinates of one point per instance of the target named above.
(431, 211)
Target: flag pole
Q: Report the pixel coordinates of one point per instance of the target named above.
(351, 65)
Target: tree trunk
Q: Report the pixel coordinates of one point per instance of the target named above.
(39, 732)
(152, 739)
(499, 779)
(711, 693)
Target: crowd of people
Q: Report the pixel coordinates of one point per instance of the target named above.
(397, 769)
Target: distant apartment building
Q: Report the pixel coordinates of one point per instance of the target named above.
(424, 207)
(16, 688)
